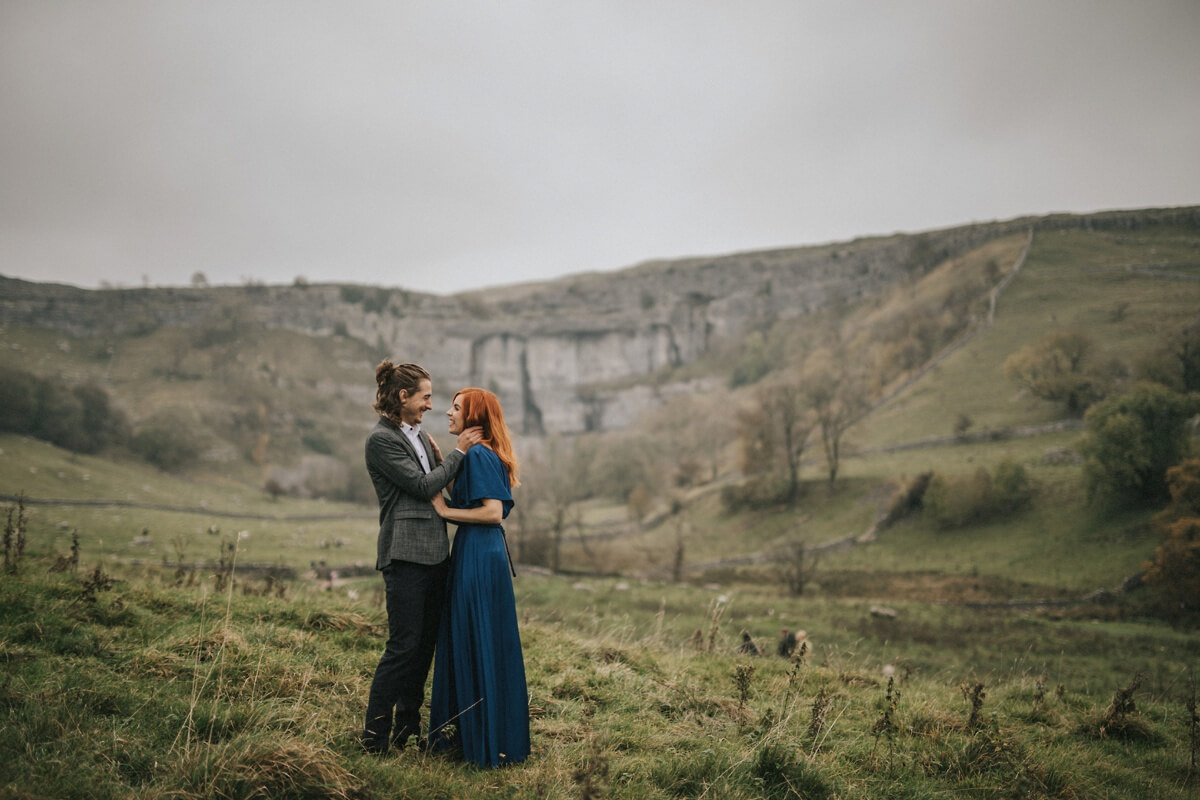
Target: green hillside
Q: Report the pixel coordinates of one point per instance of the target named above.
(1129, 291)
(248, 398)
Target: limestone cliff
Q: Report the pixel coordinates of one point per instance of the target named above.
(566, 355)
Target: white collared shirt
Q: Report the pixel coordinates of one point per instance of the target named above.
(413, 432)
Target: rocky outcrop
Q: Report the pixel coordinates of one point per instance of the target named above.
(566, 355)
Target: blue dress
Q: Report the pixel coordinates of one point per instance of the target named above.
(479, 670)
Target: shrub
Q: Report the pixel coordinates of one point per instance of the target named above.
(908, 498)
(1173, 576)
(1132, 439)
(753, 362)
(78, 418)
(758, 493)
(59, 414)
(958, 501)
(167, 440)
(19, 399)
(102, 424)
(1176, 362)
(1060, 367)
(1012, 488)
(352, 294)
(376, 300)
(317, 442)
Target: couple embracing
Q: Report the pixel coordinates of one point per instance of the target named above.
(462, 602)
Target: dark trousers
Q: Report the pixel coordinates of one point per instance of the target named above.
(415, 594)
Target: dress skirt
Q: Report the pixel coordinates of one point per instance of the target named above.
(479, 671)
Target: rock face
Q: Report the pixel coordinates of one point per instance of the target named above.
(564, 356)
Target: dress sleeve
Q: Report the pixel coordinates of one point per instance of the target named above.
(483, 477)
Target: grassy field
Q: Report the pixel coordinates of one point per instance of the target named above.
(1059, 545)
(141, 688)
(163, 686)
(142, 514)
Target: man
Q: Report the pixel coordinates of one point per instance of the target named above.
(407, 470)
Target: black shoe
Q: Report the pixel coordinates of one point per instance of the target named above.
(373, 747)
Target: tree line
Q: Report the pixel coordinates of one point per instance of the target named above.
(84, 418)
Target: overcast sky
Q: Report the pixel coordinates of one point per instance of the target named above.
(446, 145)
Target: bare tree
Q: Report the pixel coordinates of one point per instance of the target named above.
(799, 566)
(680, 424)
(551, 486)
(682, 528)
(786, 412)
(757, 444)
(837, 396)
(639, 504)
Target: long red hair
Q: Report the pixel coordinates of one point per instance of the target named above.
(481, 407)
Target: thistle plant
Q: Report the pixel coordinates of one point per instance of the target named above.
(14, 536)
(21, 520)
(225, 564)
(793, 677)
(1193, 733)
(180, 545)
(821, 706)
(1039, 694)
(71, 562)
(974, 693)
(1121, 707)
(9, 528)
(886, 724)
(801, 654)
(98, 581)
(743, 674)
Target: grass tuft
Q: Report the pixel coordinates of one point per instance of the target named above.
(254, 765)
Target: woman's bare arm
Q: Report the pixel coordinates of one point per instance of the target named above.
(490, 513)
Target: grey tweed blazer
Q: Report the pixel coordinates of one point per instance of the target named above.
(409, 530)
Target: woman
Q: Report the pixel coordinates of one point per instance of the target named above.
(479, 672)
